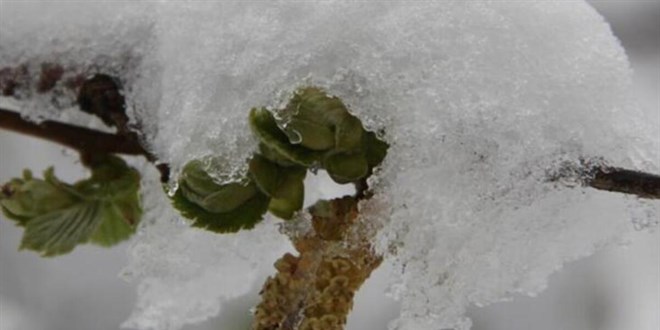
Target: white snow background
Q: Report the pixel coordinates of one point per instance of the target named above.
(479, 100)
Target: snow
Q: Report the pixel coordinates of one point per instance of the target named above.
(185, 274)
(82, 39)
(479, 100)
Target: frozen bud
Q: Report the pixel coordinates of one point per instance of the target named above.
(276, 143)
(311, 135)
(345, 167)
(290, 193)
(320, 122)
(226, 207)
(198, 187)
(265, 173)
(283, 184)
(349, 134)
(316, 129)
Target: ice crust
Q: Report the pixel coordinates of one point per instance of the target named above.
(479, 100)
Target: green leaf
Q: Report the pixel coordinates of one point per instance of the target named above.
(27, 197)
(114, 228)
(103, 209)
(263, 125)
(20, 220)
(60, 231)
(245, 216)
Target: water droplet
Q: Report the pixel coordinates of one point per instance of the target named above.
(294, 136)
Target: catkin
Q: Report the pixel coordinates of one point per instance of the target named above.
(315, 290)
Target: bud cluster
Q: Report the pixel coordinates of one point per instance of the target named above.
(314, 131)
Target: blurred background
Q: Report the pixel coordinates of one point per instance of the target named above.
(616, 289)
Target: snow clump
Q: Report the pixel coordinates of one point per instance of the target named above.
(481, 102)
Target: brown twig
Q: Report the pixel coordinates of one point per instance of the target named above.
(75, 137)
(98, 94)
(596, 173)
(643, 185)
(82, 139)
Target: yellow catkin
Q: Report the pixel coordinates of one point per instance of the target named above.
(315, 290)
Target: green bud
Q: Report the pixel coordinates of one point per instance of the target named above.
(349, 134)
(273, 156)
(313, 104)
(312, 135)
(318, 118)
(297, 173)
(265, 174)
(375, 149)
(313, 131)
(263, 125)
(245, 216)
(345, 168)
(116, 177)
(217, 207)
(289, 196)
(229, 197)
(198, 187)
(195, 177)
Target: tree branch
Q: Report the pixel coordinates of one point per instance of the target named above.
(84, 140)
(596, 174)
(75, 137)
(97, 94)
